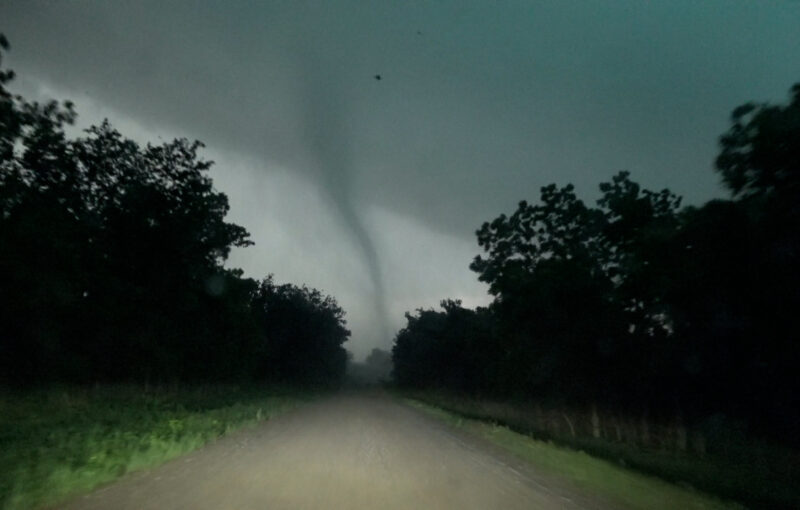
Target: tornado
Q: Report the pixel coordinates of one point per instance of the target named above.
(327, 126)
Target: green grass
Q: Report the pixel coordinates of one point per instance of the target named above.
(595, 476)
(55, 444)
(755, 472)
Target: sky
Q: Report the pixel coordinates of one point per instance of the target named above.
(372, 189)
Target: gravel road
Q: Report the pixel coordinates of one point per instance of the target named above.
(350, 451)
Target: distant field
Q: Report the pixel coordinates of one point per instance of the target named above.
(629, 487)
(58, 443)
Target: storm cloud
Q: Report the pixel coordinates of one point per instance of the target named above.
(372, 189)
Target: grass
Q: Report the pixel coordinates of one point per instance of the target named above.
(615, 483)
(55, 444)
(757, 473)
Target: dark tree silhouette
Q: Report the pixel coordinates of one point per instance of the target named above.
(636, 304)
(444, 350)
(303, 335)
(760, 154)
(111, 262)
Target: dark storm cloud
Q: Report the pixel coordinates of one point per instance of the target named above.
(492, 100)
(479, 104)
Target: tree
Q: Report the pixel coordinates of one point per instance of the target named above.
(106, 249)
(303, 332)
(639, 226)
(449, 349)
(760, 151)
(637, 304)
(735, 289)
(568, 282)
(561, 228)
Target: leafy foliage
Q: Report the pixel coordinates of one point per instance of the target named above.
(636, 304)
(56, 443)
(305, 329)
(628, 488)
(442, 349)
(111, 257)
(760, 154)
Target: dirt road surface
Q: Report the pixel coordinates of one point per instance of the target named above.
(351, 451)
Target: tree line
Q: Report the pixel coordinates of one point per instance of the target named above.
(111, 262)
(635, 303)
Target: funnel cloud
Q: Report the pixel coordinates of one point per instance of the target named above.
(327, 128)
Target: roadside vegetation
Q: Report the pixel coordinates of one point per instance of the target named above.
(609, 480)
(59, 443)
(758, 474)
(639, 329)
(112, 263)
